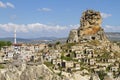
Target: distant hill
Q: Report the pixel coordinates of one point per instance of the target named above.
(12, 39)
(113, 36)
(45, 38)
(29, 40)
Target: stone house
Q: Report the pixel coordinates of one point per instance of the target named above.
(4, 49)
(77, 66)
(111, 60)
(114, 68)
(77, 47)
(78, 51)
(103, 64)
(92, 61)
(85, 60)
(30, 47)
(36, 48)
(93, 67)
(100, 69)
(67, 64)
(42, 46)
(96, 69)
(10, 54)
(54, 61)
(58, 62)
(79, 56)
(89, 53)
(84, 71)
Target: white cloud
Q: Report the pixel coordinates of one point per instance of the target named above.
(109, 28)
(74, 26)
(31, 27)
(45, 9)
(10, 5)
(6, 5)
(2, 5)
(10, 27)
(37, 29)
(105, 15)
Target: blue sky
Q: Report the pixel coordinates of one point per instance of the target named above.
(46, 18)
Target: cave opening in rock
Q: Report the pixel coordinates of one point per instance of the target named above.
(93, 38)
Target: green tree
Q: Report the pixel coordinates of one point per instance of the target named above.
(5, 43)
(101, 74)
(9, 43)
(57, 43)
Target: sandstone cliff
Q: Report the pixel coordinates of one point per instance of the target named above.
(90, 28)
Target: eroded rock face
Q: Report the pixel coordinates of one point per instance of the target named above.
(73, 36)
(35, 72)
(90, 18)
(90, 28)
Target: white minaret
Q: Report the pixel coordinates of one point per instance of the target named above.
(15, 36)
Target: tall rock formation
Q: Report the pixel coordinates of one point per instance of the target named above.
(90, 28)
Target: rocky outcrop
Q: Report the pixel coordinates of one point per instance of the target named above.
(90, 28)
(73, 36)
(40, 72)
(23, 72)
